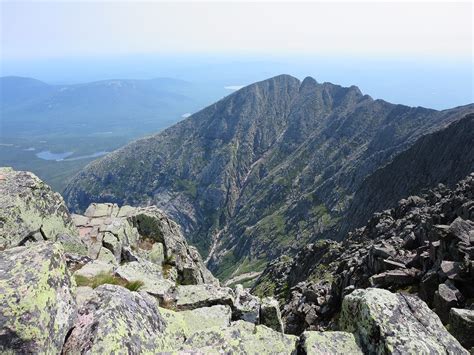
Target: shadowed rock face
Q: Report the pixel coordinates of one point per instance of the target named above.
(443, 157)
(264, 170)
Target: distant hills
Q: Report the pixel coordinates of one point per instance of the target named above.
(82, 120)
(29, 105)
(264, 170)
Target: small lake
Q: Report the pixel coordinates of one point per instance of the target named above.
(47, 155)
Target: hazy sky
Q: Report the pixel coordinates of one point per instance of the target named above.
(40, 29)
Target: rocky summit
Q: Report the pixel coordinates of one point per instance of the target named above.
(136, 286)
(268, 168)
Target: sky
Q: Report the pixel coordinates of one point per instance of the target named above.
(51, 29)
(415, 53)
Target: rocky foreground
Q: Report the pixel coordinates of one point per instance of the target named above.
(124, 280)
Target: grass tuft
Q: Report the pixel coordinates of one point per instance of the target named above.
(107, 278)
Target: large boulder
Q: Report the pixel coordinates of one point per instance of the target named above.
(116, 320)
(328, 342)
(241, 338)
(30, 211)
(181, 325)
(37, 305)
(246, 306)
(270, 314)
(385, 322)
(461, 325)
(196, 296)
(149, 274)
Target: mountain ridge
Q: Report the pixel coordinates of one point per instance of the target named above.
(265, 169)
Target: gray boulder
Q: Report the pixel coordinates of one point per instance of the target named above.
(246, 306)
(384, 322)
(116, 320)
(149, 274)
(312, 342)
(240, 338)
(37, 304)
(446, 297)
(461, 323)
(30, 212)
(196, 296)
(270, 314)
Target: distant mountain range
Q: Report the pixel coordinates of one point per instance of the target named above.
(29, 105)
(265, 170)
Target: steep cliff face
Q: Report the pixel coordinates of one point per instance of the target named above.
(442, 157)
(264, 170)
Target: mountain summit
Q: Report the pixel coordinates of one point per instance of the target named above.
(266, 169)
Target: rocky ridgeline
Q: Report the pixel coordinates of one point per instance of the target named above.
(124, 280)
(424, 247)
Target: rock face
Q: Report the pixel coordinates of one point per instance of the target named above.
(386, 323)
(37, 305)
(30, 211)
(424, 246)
(150, 244)
(263, 170)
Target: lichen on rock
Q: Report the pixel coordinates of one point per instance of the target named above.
(30, 211)
(37, 305)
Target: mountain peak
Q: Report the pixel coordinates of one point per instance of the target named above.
(309, 82)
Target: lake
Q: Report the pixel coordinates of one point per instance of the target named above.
(47, 155)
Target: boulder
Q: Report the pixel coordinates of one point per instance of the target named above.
(116, 320)
(83, 293)
(312, 342)
(246, 306)
(37, 305)
(95, 268)
(446, 297)
(384, 322)
(148, 273)
(270, 314)
(461, 325)
(30, 212)
(240, 338)
(197, 296)
(181, 325)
